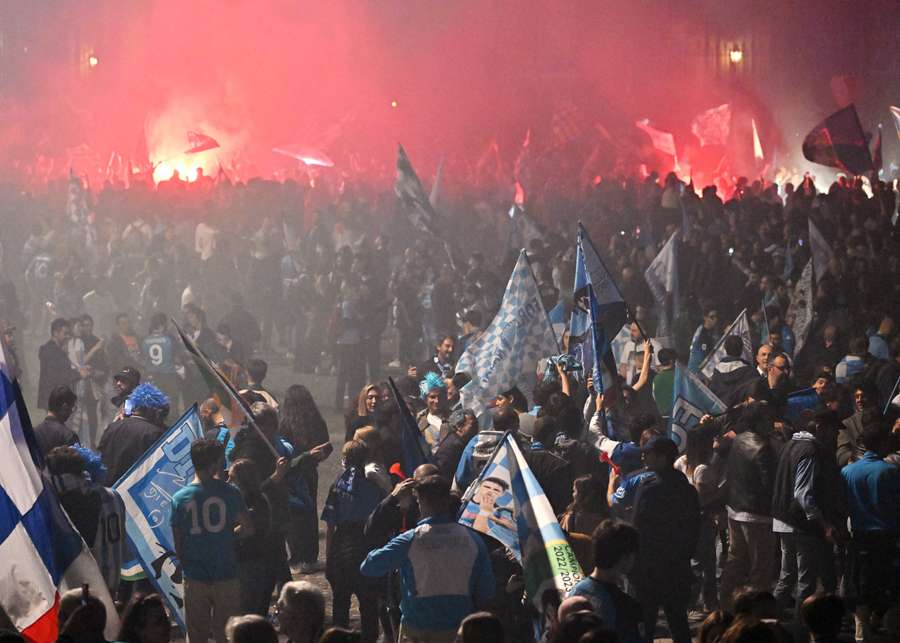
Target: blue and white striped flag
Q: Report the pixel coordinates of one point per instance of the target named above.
(693, 400)
(507, 352)
(41, 553)
(507, 503)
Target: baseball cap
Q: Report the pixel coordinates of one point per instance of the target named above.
(129, 375)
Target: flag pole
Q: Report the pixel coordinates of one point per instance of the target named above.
(540, 301)
(891, 397)
(229, 388)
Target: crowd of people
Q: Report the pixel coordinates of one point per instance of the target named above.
(760, 521)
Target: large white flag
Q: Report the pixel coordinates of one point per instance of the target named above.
(507, 352)
(662, 278)
(740, 327)
(801, 307)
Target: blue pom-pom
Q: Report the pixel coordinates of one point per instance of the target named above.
(93, 464)
(147, 396)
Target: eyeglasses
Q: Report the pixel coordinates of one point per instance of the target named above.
(784, 367)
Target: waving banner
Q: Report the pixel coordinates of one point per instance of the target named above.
(147, 489)
(507, 503)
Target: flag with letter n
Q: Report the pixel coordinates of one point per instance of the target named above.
(507, 352)
(41, 553)
(147, 489)
(412, 196)
(693, 400)
(507, 503)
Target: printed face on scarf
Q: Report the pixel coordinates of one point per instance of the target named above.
(488, 492)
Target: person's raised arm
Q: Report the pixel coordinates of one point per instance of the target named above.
(645, 367)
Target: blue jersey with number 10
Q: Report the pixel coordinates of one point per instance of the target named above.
(159, 353)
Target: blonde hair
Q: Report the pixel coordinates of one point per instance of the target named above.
(361, 410)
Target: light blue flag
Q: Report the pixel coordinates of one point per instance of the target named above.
(693, 400)
(662, 278)
(147, 489)
(507, 352)
(598, 312)
(507, 503)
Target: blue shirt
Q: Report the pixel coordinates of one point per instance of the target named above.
(206, 514)
(158, 349)
(873, 493)
(351, 498)
(445, 571)
(620, 612)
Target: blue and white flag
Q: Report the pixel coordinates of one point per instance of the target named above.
(147, 489)
(662, 278)
(557, 316)
(507, 503)
(822, 254)
(507, 352)
(693, 400)
(740, 327)
(801, 307)
(594, 283)
(41, 554)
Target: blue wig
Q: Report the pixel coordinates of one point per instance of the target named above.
(431, 381)
(93, 465)
(147, 396)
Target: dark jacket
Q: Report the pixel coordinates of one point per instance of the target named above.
(52, 433)
(751, 473)
(124, 442)
(388, 520)
(824, 491)
(849, 447)
(732, 374)
(448, 455)
(56, 370)
(667, 518)
(553, 474)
